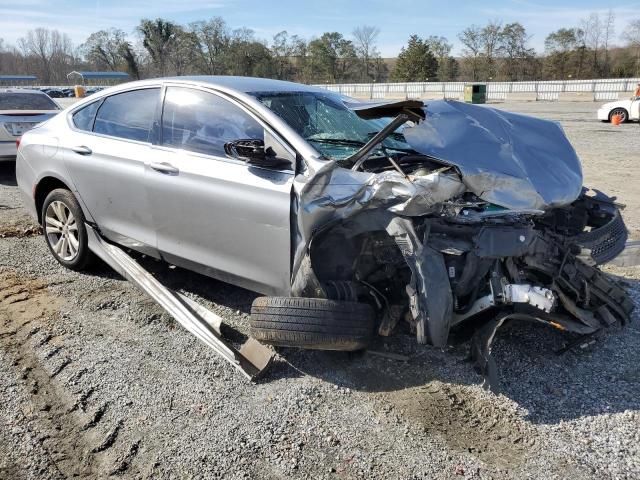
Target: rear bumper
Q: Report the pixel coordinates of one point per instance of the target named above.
(26, 179)
(603, 114)
(8, 150)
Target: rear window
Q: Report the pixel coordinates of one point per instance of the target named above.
(127, 115)
(26, 101)
(83, 118)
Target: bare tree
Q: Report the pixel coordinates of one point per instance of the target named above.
(364, 42)
(102, 49)
(158, 37)
(212, 40)
(52, 52)
(248, 56)
(608, 26)
(518, 59)
(441, 48)
(491, 36)
(560, 47)
(472, 39)
(490, 52)
(283, 48)
(631, 35)
(131, 59)
(593, 33)
(10, 58)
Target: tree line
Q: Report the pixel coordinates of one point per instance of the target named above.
(493, 52)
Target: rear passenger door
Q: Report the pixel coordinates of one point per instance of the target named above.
(214, 213)
(106, 155)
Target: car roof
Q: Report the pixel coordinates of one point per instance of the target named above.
(246, 84)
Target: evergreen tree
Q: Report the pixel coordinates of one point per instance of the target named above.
(416, 62)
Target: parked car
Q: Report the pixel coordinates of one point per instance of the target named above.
(20, 110)
(91, 90)
(629, 110)
(68, 92)
(54, 92)
(350, 216)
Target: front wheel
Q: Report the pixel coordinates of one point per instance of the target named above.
(619, 111)
(314, 323)
(64, 230)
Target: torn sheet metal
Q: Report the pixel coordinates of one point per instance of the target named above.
(429, 292)
(515, 161)
(334, 194)
(252, 359)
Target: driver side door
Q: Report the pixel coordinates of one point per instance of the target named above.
(214, 213)
(634, 114)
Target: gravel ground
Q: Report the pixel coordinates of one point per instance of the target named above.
(96, 381)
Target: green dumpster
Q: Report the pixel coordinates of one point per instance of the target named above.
(475, 93)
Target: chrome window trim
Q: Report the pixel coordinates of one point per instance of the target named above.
(196, 86)
(102, 99)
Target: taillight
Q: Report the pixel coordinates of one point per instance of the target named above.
(18, 142)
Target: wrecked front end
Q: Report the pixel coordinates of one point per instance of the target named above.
(484, 216)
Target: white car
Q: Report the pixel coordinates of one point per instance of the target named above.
(628, 109)
(20, 111)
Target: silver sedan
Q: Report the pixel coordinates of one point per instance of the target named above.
(350, 216)
(21, 110)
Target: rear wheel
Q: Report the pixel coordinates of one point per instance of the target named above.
(314, 323)
(619, 111)
(64, 229)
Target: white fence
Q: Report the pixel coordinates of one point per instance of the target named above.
(590, 90)
(585, 90)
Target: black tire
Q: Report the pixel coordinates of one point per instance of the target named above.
(83, 257)
(619, 111)
(313, 323)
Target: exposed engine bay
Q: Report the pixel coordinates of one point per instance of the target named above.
(422, 242)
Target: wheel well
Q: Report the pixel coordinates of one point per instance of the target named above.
(44, 188)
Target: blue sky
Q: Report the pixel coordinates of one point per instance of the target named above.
(397, 19)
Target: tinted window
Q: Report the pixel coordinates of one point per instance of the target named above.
(128, 115)
(26, 101)
(203, 122)
(83, 118)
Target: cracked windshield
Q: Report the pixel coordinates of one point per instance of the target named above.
(328, 124)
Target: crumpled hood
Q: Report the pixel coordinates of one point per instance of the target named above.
(515, 161)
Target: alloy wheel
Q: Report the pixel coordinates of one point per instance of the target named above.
(621, 112)
(62, 231)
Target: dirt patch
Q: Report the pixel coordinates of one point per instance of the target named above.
(55, 416)
(19, 231)
(467, 423)
(24, 299)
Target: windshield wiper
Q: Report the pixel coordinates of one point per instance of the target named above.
(356, 143)
(337, 141)
(397, 136)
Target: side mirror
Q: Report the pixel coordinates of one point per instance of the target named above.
(254, 153)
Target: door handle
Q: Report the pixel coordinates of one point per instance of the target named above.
(164, 167)
(82, 150)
